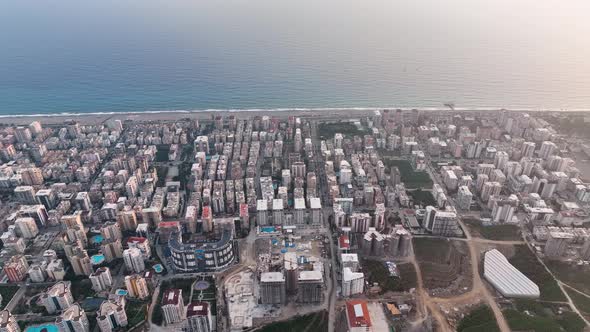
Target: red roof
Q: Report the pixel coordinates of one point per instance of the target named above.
(206, 212)
(136, 239)
(243, 210)
(197, 309)
(358, 314)
(344, 242)
(169, 224)
(171, 296)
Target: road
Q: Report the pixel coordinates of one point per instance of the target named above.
(479, 289)
(561, 286)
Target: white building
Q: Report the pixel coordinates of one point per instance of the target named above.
(133, 258)
(101, 279)
(507, 279)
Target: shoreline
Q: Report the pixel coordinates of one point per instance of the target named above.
(94, 117)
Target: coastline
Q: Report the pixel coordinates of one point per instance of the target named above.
(94, 117)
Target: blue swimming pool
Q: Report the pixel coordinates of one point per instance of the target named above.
(43, 328)
(97, 239)
(97, 259)
(158, 268)
(121, 292)
(267, 229)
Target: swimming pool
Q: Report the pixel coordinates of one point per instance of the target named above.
(43, 328)
(267, 229)
(158, 268)
(121, 292)
(97, 239)
(97, 259)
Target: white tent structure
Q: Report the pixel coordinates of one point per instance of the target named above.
(507, 279)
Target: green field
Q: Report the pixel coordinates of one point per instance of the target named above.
(580, 301)
(421, 197)
(531, 315)
(411, 178)
(479, 319)
(525, 261)
(348, 129)
(7, 293)
(495, 232)
(377, 272)
(136, 312)
(316, 322)
(573, 275)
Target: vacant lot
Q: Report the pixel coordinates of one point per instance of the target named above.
(495, 232)
(527, 263)
(442, 261)
(479, 319)
(573, 275)
(316, 322)
(411, 178)
(377, 272)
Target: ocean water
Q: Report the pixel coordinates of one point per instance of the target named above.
(139, 55)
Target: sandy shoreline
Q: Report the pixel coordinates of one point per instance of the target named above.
(93, 118)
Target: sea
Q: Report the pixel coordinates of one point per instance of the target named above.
(71, 56)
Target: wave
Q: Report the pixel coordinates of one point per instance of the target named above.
(290, 109)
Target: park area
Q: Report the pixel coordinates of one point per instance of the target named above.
(348, 129)
(411, 178)
(500, 232)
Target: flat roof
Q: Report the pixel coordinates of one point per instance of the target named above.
(310, 275)
(272, 277)
(315, 203)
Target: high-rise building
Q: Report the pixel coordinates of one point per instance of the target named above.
(37, 272)
(7, 322)
(133, 260)
(83, 201)
(57, 297)
(198, 315)
(25, 194)
(272, 288)
(111, 249)
(27, 227)
(16, 268)
(47, 197)
(310, 287)
(464, 198)
(80, 262)
(443, 223)
(142, 244)
(101, 279)
(111, 231)
(73, 319)
(557, 244)
(55, 270)
(173, 306)
(111, 316)
(352, 282)
(137, 286)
